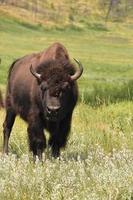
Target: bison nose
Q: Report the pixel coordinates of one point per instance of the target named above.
(53, 109)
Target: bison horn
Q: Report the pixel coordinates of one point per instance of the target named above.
(34, 73)
(78, 72)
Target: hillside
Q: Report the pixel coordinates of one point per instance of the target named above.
(64, 13)
(105, 50)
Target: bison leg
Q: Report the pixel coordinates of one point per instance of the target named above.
(7, 127)
(54, 146)
(37, 140)
(58, 138)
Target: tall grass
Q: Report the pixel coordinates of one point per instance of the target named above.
(97, 177)
(96, 164)
(107, 93)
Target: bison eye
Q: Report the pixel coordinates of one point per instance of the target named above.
(60, 95)
(43, 87)
(57, 93)
(65, 85)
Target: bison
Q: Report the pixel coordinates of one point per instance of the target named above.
(42, 89)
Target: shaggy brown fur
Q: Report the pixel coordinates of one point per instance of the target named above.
(44, 103)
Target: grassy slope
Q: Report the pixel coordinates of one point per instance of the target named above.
(86, 170)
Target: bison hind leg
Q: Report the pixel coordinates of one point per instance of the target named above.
(58, 136)
(7, 127)
(37, 141)
(55, 146)
(37, 146)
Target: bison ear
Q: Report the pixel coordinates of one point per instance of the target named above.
(35, 74)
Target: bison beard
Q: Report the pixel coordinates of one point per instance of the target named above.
(42, 89)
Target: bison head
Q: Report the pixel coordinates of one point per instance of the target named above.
(56, 87)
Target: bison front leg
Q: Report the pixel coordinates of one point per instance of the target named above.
(37, 140)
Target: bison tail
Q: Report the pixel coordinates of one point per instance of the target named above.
(1, 101)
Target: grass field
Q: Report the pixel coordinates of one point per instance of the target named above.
(98, 160)
(104, 50)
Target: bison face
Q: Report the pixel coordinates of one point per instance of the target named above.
(55, 98)
(56, 89)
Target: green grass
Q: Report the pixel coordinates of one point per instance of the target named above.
(97, 162)
(107, 126)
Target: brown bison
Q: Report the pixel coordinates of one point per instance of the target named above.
(42, 89)
(1, 98)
